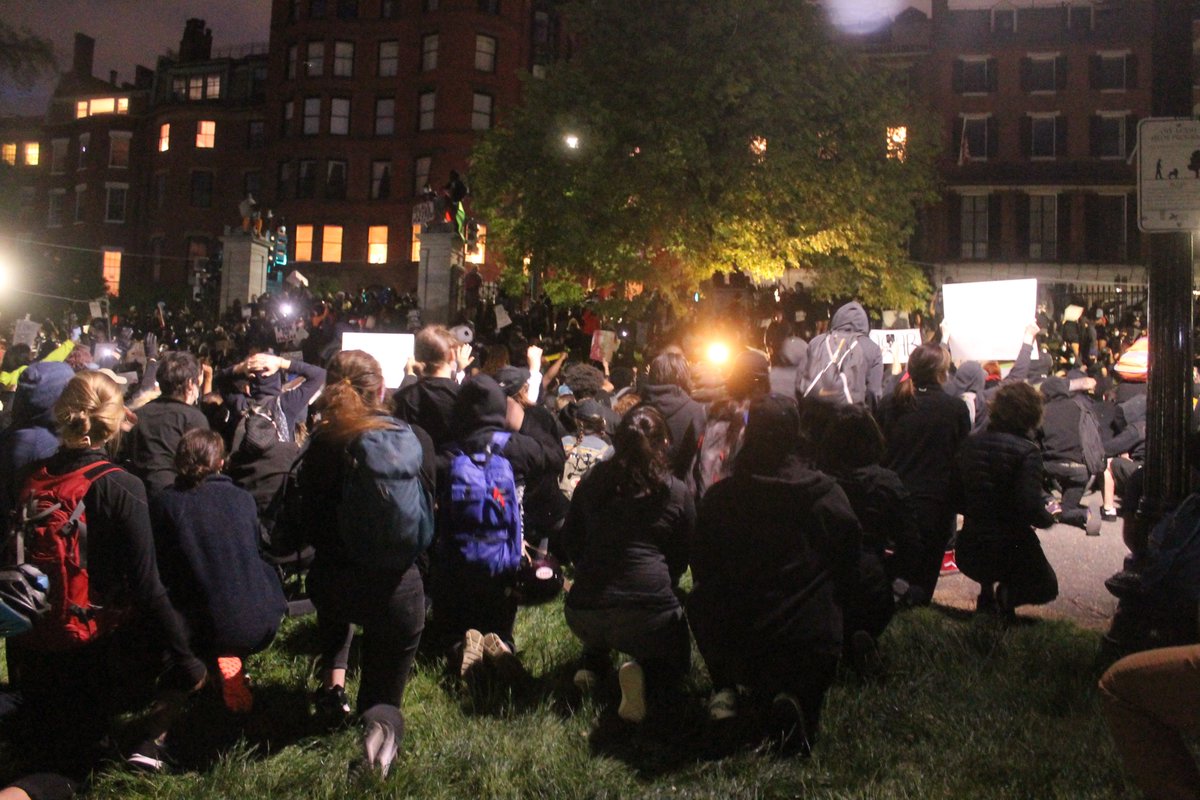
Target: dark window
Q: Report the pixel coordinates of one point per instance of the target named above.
(347, 9)
(489, 6)
(335, 180)
(256, 134)
(1043, 137)
(283, 177)
(1110, 72)
(1004, 20)
(252, 184)
(381, 180)
(316, 9)
(975, 75)
(1041, 75)
(160, 190)
(389, 9)
(1110, 136)
(974, 226)
(429, 5)
(1043, 227)
(202, 189)
(306, 183)
(975, 132)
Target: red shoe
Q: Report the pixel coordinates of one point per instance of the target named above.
(949, 567)
(235, 691)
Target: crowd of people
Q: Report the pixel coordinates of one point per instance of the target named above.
(165, 472)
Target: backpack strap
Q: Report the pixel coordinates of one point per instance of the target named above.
(500, 440)
(75, 521)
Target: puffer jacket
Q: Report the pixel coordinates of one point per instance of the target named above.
(998, 486)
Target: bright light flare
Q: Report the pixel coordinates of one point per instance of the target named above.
(287, 309)
(5, 275)
(758, 146)
(718, 353)
(571, 141)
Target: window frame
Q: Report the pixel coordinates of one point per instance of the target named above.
(343, 65)
(489, 56)
(1041, 121)
(109, 190)
(477, 114)
(429, 55)
(392, 61)
(311, 114)
(1043, 227)
(384, 124)
(314, 50)
(971, 247)
(427, 116)
(339, 124)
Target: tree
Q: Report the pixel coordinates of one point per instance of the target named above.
(709, 135)
(24, 56)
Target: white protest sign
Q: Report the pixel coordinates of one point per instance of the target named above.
(391, 350)
(26, 332)
(908, 339)
(503, 320)
(94, 309)
(987, 320)
(1168, 174)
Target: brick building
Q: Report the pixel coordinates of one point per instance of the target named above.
(373, 100)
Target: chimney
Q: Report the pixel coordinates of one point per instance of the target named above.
(112, 77)
(196, 44)
(85, 53)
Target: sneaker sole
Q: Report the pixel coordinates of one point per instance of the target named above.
(633, 692)
(145, 762)
(472, 651)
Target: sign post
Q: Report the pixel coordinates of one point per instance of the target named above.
(1168, 175)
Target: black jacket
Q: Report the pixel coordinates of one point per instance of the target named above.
(764, 584)
(880, 502)
(429, 404)
(261, 471)
(923, 438)
(1061, 440)
(207, 542)
(480, 411)
(1129, 430)
(153, 441)
(685, 419)
(627, 551)
(998, 486)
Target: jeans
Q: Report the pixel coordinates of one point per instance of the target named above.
(1149, 699)
(935, 525)
(390, 608)
(1074, 479)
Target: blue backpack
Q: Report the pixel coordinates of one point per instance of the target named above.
(385, 519)
(481, 529)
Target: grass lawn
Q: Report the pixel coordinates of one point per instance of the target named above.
(970, 709)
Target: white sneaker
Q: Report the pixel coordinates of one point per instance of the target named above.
(472, 651)
(633, 692)
(379, 747)
(585, 680)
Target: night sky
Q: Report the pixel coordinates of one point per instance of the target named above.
(127, 32)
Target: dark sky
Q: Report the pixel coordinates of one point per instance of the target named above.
(127, 32)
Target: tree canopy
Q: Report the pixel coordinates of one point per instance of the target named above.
(24, 56)
(687, 136)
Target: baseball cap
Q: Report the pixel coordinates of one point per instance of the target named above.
(511, 379)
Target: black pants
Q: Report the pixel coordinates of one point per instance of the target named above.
(1017, 561)
(869, 604)
(1074, 479)
(390, 607)
(657, 639)
(462, 602)
(935, 526)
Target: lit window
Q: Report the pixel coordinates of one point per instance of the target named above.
(331, 244)
(339, 116)
(195, 88)
(206, 133)
(974, 226)
(212, 86)
(897, 142)
(385, 116)
(164, 137)
(421, 167)
(389, 59)
(429, 52)
(485, 53)
(8, 153)
(481, 112)
(312, 116)
(105, 105)
(381, 180)
(33, 154)
(112, 272)
(343, 59)
(118, 149)
(114, 202)
(122, 105)
(377, 241)
(81, 109)
(314, 62)
(304, 242)
(428, 104)
(1043, 226)
(85, 141)
(415, 255)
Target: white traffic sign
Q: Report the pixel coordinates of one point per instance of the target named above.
(1168, 175)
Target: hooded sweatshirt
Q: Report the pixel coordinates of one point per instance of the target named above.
(685, 419)
(30, 437)
(970, 377)
(851, 317)
(480, 411)
(1060, 423)
(428, 403)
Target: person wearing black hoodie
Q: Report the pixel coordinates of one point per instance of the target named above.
(269, 389)
(668, 389)
(31, 435)
(261, 463)
(1072, 447)
(465, 607)
(163, 421)
(763, 607)
(428, 401)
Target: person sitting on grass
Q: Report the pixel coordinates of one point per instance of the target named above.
(773, 544)
(999, 489)
(206, 535)
(626, 534)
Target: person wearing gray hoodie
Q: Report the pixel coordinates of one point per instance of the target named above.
(866, 383)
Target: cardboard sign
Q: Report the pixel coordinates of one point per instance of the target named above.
(94, 309)
(987, 320)
(503, 320)
(26, 332)
(604, 345)
(391, 350)
(908, 339)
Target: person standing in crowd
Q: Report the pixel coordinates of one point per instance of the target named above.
(924, 427)
(387, 600)
(763, 607)
(75, 675)
(627, 535)
(206, 538)
(163, 421)
(999, 484)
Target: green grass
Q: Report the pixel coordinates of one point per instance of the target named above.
(970, 709)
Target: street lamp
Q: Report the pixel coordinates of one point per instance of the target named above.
(571, 141)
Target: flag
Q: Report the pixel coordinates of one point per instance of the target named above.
(460, 220)
(964, 147)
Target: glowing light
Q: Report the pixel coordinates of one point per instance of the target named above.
(718, 353)
(897, 142)
(863, 16)
(286, 309)
(5, 275)
(571, 141)
(758, 146)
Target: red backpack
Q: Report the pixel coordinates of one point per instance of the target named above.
(51, 536)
